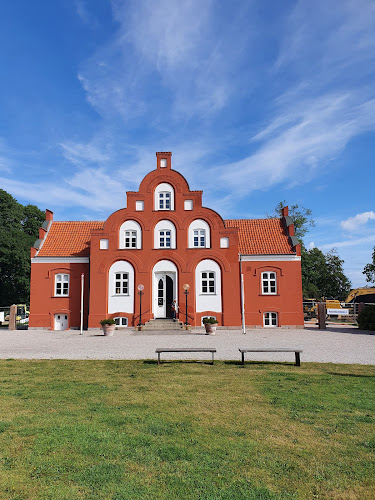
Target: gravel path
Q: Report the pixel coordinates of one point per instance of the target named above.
(337, 344)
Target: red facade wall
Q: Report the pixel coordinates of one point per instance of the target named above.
(287, 302)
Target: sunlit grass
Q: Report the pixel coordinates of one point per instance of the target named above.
(130, 429)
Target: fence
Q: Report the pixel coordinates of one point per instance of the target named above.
(22, 318)
(310, 312)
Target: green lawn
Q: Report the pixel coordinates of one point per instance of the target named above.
(128, 429)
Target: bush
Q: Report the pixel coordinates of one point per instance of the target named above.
(211, 320)
(108, 321)
(366, 318)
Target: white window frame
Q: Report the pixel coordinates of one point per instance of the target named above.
(199, 238)
(209, 285)
(164, 226)
(269, 284)
(199, 225)
(130, 236)
(270, 319)
(165, 238)
(121, 322)
(121, 278)
(127, 227)
(60, 280)
(161, 191)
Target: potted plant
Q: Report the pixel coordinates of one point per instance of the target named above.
(108, 326)
(210, 324)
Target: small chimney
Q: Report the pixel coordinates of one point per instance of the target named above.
(163, 161)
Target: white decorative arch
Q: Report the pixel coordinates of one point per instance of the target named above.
(199, 225)
(163, 188)
(130, 225)
(123, 302)
(162, 269)
(165, 225)
(205, 300)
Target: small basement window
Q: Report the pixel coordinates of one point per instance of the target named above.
(270, 320)
(121, 322)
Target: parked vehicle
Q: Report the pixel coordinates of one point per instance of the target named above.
(363, 294)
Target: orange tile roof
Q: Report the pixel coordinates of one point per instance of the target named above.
(256, 236)
(69, 239)
(261, 236)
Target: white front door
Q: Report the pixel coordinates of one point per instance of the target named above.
(61, 322)
(161, 304)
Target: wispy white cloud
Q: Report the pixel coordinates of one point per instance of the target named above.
(349, 243)
(356, 223)
(81, 154)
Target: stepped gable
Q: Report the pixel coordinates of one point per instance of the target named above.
(69, 239)
(261, 236)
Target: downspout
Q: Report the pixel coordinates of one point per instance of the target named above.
(242, 298)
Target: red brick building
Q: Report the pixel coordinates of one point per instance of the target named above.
(163, 240)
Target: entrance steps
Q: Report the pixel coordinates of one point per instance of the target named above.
(163, 324)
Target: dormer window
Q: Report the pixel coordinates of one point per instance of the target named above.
(164, 200)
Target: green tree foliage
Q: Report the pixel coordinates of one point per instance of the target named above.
(369, 269)
(19, 226)
(322, 274)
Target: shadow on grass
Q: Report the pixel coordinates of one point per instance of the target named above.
(261, 363)
(177, 361)
(351, 375)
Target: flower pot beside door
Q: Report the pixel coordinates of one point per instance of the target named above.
(210, 324)
(108, 326)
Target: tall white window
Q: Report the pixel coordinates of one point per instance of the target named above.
(269, 283)
(165, 234)
(61, 285)
(164, 197)
(208, 282)
(130, 239)
(165, 239)
(270, 319)
(199, 234)
(164, 200)
(121, 284)
(130, 235)
(199, 237)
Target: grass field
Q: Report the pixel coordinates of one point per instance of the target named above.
(128, 429)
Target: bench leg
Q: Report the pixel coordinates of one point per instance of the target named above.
(298, 361)
(158, 358)
(243, 357)
(213, 357)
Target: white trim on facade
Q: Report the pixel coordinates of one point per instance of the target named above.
(270, 258)
(60, 260)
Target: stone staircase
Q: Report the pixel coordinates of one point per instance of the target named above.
(162, 324)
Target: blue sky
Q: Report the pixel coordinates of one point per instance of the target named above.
(258, 101)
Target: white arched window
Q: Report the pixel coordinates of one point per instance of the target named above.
(199, 234)
(165, 234)
(121, 287)
(130, 236)
(208, 286)
(164, 197)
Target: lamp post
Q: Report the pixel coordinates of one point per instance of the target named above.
(186, 288)
(140, 291)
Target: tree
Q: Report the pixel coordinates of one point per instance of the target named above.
(322, 274)
(300, 216)
(369, 269)
(19, 226)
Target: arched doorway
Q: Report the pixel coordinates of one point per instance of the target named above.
(164, 288)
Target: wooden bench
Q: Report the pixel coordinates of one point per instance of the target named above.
(185, 349)
(271, 349)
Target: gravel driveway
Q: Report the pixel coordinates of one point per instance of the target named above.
(337, 344)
